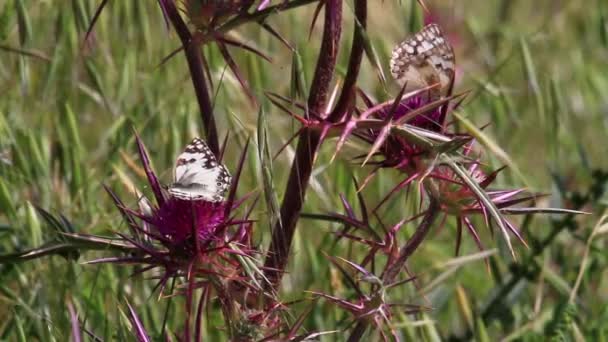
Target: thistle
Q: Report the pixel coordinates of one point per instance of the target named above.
(371, 306)
(192, 230)
(192, 213)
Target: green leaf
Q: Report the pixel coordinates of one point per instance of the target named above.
(272, 200)
(5, 19)
(33, 223)
(6, 200)
(19, 325)
(370, 52)
(481, 332)
(297, 87)
(482, 196)
(80, 13)
(23, 22)
(530, 73)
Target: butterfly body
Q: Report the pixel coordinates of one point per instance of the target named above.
(424, 60)
(198, 175)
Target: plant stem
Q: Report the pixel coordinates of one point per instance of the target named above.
(357, 332)
(406, 251)
(308, 145)
(195, 64)
(414, 242)
(347, 96)
(195, 58)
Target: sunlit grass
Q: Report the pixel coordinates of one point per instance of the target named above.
(536, 72)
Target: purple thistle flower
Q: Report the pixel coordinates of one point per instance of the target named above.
(197, 238)
(400, 151)
(166, 235)
(178, 218)
(414, 139)
(431, 120)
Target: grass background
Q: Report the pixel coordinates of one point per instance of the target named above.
(537, 71)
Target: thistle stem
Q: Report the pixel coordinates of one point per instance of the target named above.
(308, 145)
(406, 251)
(414, 242)
(195, 65)
(354, 64)
(357, 332)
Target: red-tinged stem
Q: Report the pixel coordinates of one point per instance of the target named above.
(346, 98)
(405, 252)
(357, 332)
(195, 64)
(414, 242)
(308, 145)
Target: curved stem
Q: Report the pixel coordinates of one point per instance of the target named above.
(347, 95)
(308, 145)
(406, 251)
(195, 64)
(414, 242)
(357, 332)
(328, 54)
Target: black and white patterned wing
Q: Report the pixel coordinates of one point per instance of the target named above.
(198, 175)
(423, 60)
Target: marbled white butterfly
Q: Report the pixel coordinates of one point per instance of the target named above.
(424, 60)
(198, 175)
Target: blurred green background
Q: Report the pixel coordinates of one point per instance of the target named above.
(538, 78)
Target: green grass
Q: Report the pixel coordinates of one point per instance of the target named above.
(537, 75)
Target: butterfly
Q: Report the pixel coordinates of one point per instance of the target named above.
(424, 60)
(198, 175)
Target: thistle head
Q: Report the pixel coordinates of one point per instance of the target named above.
(396, 142)
(432, 119)
(191, 221)
(178, 219)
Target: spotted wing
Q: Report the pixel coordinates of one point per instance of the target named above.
(198, 175)
(423, 60)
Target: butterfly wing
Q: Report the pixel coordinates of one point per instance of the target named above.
(198, 175)
(423, 60)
